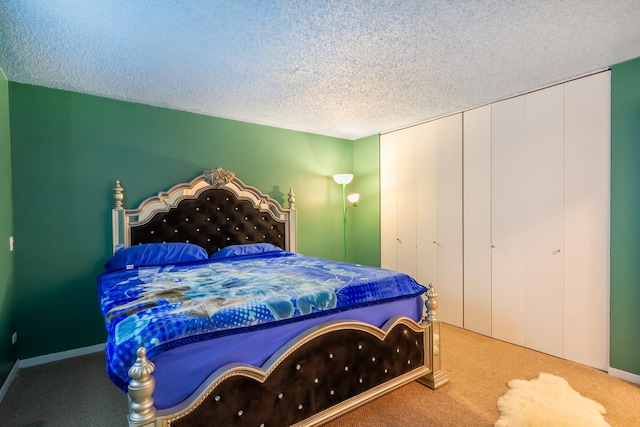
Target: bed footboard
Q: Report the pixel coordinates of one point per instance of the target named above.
(322, 374)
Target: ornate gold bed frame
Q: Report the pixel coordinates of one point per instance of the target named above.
(365, 362)
(125, 220)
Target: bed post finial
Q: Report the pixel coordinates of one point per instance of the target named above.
(141, 387)
(118, 195)
(292, 199)
(432, 304)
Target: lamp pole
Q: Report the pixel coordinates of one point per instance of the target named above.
(344, 220)
(343, 179)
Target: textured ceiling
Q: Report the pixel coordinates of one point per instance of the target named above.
(342, 68)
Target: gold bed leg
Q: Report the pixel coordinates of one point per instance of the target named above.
(141, 409)
(437, 377)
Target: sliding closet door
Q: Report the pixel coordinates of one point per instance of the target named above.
(406, 208)
(427, 202)
(587, 200)
(449, 240)
(550, 196)
(421, 201)
(507, 221)
(398, 201)
(477, 219)
(543, 221)
(388, 220)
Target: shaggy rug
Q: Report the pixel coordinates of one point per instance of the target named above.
(547, 401)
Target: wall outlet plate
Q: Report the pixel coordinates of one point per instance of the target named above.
(10, 243)
(14, 338)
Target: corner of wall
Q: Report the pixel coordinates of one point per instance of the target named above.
(7, 317)
(625, 203)
(366, 218)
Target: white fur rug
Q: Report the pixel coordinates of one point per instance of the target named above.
(547, 401)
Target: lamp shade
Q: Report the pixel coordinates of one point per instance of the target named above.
(343, 178)
(353, 198)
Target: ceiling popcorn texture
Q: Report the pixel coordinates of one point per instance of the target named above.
(340, 68)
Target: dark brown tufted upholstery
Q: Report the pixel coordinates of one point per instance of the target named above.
(227, 221)
(321, 373)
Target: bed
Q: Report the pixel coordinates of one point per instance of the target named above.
(213, 318)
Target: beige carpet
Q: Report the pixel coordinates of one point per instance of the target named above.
(76, 392)
(479, 369)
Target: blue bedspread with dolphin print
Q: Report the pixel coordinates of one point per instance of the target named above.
(162, 307)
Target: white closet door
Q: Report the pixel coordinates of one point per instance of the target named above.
(406, 204)
(477, 219)
(544, 218)
(427, 202)
(507, 226)
(388, 220)
(449, 240)
(587, 200)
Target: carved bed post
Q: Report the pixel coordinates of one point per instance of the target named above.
(292, 199)
(437, 377)
(141, 387)
(118, 218)
(292, 223)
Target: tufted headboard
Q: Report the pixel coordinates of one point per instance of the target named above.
(214, 210)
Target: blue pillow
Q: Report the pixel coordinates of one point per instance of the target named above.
(244, 250)
(155, 254)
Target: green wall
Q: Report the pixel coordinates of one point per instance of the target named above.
(7, 323)
(364, 219)
(625, 222)
(69, 148)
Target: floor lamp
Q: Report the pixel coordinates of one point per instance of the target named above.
(343, 179)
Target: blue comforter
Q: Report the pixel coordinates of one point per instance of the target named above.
(169, 306)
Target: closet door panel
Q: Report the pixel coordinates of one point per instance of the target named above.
(507, 226)
(388, 218)
(544, 217)
(587, 200)
(406, 204)
(477, 219)
(427, 202)
(449, 240)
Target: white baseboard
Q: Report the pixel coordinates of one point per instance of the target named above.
(624, 375)
(54, 357)
(9, 380)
